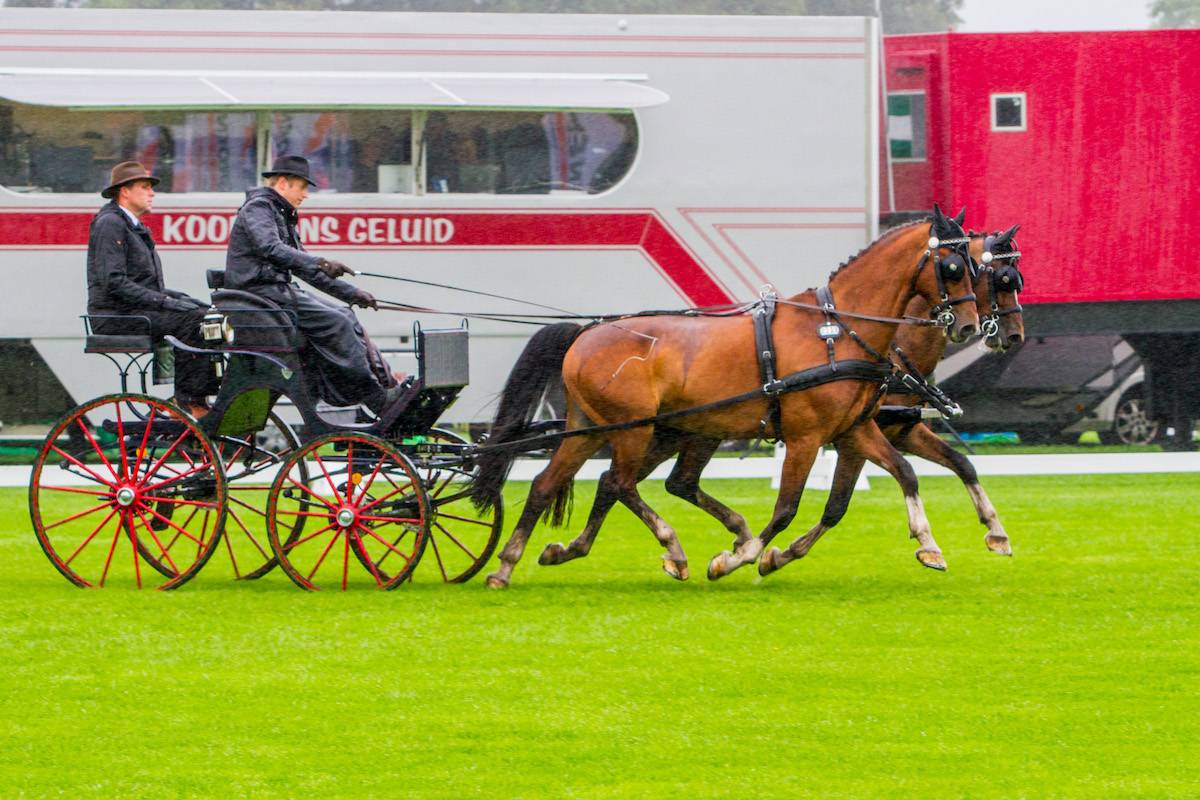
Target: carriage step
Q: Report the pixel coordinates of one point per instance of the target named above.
(137, 427)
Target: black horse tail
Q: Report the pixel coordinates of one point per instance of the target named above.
(540, 362)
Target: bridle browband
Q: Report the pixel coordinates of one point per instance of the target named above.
(953, 267)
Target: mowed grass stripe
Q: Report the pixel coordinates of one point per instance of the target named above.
(1067, 671)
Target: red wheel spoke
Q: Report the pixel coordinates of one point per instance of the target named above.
(95, 446)
(349, 475)
(121, 444)
(345, 560)
(438, 555)
(328, 478)
(176, 527)
(378, 500)
(161, 549)
(465, 519)
(293, 545)
(383, 541)
(91, 536)
(229, 548)
(451, 498)
(454, 539)
(408, 520)
(154, 467)
(249, 535)
(99, 478)
(440, 487)
(178, 477)
(137, 464)
(362, 548)
(111, 549)
(321, 560)
(367, 486)
(245, 505)
(75, 490)
(320, 499)
(319, 514)
(80, 515)
(178, 501)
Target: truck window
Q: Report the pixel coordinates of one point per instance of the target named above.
(1008, 112)
(349, 151)
(906, 125)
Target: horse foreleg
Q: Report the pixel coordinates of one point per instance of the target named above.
(925, 443)
(845, 475)
(565, 462)
(876, 447)
(797, 463)
(684, 483)
(630, 450)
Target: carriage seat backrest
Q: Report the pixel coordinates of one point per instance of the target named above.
(134, 336)
(258, 323)
(215, 278)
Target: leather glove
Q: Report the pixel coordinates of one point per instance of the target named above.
(333, 269)
(364, 299)
(178, 304)
(186, 298)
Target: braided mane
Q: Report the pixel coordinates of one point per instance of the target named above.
(892, 231)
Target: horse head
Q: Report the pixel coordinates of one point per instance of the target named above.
(948, 285)
(998, 283)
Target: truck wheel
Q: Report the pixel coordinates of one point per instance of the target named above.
(1131, 423)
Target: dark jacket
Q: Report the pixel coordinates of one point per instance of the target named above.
(265, 251)
(124, 273)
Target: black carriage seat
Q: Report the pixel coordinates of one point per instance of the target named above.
(131, 343)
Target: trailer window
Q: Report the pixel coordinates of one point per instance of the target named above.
(350, 151)
(44, 149)
(906, 125)
(527, 152)
(1008, 112)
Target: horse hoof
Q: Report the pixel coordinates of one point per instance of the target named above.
(553, 554)
(718, 567)
(998, 544)
(932, 559)
(766, 564)
(676, 569)
(494, 581)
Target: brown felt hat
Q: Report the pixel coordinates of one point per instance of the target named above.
(123, 173)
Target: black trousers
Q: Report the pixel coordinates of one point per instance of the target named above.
(194, 376)
(343, 365)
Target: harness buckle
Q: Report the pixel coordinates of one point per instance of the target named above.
(990, 327)
(829, 331)
(772, 388)
(946, 318)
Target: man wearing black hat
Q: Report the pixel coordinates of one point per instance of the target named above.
(125, 278)
(265, 253)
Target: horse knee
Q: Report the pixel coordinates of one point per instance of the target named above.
(681, 487)
(906, 476)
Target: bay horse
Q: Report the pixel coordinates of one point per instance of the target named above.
(635, 368)
(996, 289)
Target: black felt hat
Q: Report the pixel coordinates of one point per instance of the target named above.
(291, 165)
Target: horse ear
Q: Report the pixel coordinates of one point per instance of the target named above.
(1006, 237)
(961, 215)
(938, 216)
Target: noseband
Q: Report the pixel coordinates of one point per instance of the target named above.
(1007, 278)
(952, 267)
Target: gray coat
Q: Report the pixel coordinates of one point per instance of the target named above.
(265, 252)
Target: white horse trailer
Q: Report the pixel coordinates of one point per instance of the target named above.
(593, 163)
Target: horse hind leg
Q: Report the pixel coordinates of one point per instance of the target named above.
(925, 443)
(629, 455)
(684, 483)
(565, 462)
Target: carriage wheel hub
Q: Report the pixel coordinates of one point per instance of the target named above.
(126, 496)
(345, 517)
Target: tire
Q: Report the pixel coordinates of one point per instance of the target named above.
(147, 455)
(1131, 424)
(365, 498)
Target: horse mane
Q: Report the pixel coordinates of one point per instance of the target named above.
(892, 231)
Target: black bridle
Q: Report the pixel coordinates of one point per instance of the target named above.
(953, 267)
(1007, 278)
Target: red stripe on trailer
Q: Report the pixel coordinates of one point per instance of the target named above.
(424, 229)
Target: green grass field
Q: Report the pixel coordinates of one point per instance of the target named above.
(1070, 670)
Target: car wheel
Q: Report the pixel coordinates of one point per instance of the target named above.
(1131, 423)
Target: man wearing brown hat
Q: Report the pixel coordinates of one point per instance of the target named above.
(125, 278)
(265, 253)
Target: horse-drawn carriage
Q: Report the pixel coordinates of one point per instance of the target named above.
(332, 502)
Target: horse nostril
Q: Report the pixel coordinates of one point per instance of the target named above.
(1016, 338)
(967, 331)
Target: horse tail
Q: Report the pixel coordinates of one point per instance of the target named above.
(539, 363)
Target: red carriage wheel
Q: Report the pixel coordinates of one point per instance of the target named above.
(96, 492)
(365, 506)
(251, 463)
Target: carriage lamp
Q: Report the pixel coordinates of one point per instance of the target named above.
(210, 328)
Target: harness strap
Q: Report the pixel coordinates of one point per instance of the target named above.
(763, 315)
(847, 370)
